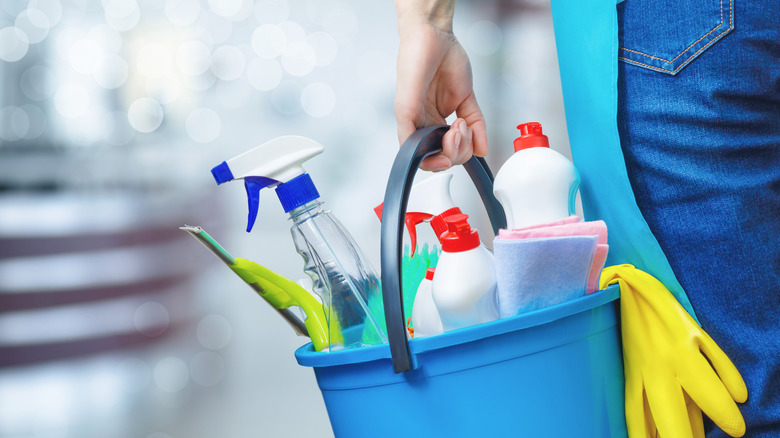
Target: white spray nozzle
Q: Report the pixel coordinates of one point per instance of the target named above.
(273, 163)
(280, 159)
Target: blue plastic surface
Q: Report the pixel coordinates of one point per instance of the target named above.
(222, 173)
(296, 192)
(553, 372)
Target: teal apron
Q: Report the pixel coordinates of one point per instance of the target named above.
(586, 36)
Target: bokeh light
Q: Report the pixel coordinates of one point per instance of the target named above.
(182, 12)
(153, 60)
(171, 374)
(52, 9)
(193, 57)
(13, 44)
(85, 56)
(203, 125)
(151, 319)
(71, 100)
(286, 97)
(34, 23)
(264, 74)
(145, 115)
(271, 11)
(122, 15)
(299, 58)
(318, 99)
(214, 332)
(484, 38)
(112, 73)
(325, 46)
(36, 83)
(269, 41)
(227, 63)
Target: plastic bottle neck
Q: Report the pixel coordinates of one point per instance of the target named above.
(306, 211)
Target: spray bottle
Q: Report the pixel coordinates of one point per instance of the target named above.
(425, 316)
(429, 201)
(341, 274)
(536, 185)
(464, 287)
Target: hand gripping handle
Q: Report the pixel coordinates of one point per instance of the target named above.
(422, 143)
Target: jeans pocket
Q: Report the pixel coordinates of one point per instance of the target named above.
(666, 35)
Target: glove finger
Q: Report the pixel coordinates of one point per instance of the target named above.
(695, 417)
(725, 368)
(637, 412)
(707, 391)
(667, 405)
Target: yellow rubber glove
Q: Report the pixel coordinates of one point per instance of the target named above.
(669, 381)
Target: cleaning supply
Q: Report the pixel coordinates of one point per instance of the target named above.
(280, 292)
(464, 287)
(540, 272)
(429, 201)
(673, 368)
(341, 274)
(413, 267)
(578, 228)
(536, 184)
(425, 316)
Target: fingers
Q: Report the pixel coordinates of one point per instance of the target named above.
(707, 391)
(726, 370)
(694, 415)
(457, 147)
(639, 421)
(667, 405)
(470, 112)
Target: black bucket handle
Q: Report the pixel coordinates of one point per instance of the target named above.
(420, 144)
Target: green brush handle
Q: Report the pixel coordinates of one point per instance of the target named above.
(281, 293)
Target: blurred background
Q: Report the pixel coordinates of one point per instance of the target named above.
(113, 322)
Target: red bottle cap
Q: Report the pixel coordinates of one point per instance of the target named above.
(429, 273)
(459, 236)
(531, 137)
(438, 224)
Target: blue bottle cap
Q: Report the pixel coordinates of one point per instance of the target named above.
(296, 192)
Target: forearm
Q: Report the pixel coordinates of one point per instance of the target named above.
(435, 13)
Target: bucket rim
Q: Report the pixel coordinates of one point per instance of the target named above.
(306, 355)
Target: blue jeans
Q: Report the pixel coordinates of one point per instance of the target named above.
(699, 123)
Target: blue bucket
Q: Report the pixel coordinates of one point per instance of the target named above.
(553, 372)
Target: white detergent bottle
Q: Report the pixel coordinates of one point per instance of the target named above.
(536, 185)
(425, 315)
(464, 287)
(429, 201)
(342, 276)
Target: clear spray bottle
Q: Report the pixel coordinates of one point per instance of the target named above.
(341, 275)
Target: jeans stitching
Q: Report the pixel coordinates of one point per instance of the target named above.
(686, 61)
(731, 15)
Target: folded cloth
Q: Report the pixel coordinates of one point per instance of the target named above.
(570, 227)
(540, 272)
(567, 220)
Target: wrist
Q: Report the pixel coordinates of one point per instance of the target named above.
(434, 13)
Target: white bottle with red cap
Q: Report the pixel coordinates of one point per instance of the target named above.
(464, 287)
(425, 315)
(536, 185)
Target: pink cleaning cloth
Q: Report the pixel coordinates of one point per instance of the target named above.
(571, 226)
(567, 220)
(599, 259)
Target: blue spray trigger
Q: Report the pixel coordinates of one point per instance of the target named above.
(253, 185)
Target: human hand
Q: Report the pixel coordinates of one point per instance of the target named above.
(433, 81)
